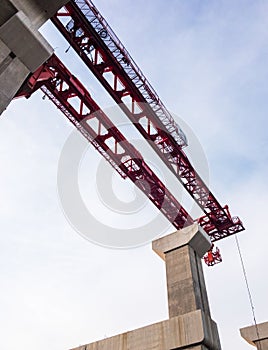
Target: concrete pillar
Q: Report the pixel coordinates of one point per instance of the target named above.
(22, 47)
(190, 325)
(259, 338)
(182, 252)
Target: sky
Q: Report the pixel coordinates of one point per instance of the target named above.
(208, 62)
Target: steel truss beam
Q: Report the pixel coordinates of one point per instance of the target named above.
(74, 101)
(98, 46)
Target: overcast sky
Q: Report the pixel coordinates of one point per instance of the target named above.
(208, 62)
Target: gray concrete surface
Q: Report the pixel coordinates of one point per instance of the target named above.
(193, 236)
(22, 47)
(193, 329)
(258, 339)
(190, 325)
(181, 251)
(12, 74)
(38, 11)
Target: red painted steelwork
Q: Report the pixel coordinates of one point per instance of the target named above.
(73, 99)
(86, 10)
(213, 256)
(95, 42)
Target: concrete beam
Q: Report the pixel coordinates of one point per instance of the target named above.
(258, 339)
(7, 10)
(38, 11)
(22, 48)
(4, 52)
(27, 44)
(193, 235)
(12, 74)
(192, 331)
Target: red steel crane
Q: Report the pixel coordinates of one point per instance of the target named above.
(101, 50)
(98, 46)
(63, 88)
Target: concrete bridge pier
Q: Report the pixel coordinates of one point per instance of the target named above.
(182, 252)
(190, 325)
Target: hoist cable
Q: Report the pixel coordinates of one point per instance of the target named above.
(248, 290)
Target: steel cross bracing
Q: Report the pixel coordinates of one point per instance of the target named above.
(95, 42)
(73, 99)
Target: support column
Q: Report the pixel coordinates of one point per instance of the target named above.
(258, 339)
(182, 252)
(190, 325)
(22, 47)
